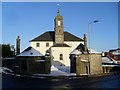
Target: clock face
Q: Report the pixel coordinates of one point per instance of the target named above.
(58, 23)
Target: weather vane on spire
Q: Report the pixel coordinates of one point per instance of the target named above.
(58, 7)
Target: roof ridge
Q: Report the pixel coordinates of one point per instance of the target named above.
(50, 36)
(29, 49)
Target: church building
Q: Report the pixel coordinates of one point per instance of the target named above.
(58, 43)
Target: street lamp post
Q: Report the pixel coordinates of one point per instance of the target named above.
(89, 32)
(89, 43)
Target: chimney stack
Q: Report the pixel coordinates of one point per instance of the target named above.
(85, 43)
(18, 45)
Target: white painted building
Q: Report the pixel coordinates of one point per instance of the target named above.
(58, 43)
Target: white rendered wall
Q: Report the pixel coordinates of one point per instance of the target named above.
(56, 51)
(73, 44)
(42, 49)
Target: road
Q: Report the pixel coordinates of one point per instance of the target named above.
(66, 83)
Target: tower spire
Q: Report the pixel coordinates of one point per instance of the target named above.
(59, 29)
(58, 8)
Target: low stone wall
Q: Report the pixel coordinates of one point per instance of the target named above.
(95, 63)
(88, 64)
(8, 62)
(32, 65)
(81, 67)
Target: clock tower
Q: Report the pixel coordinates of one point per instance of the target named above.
(59, 32)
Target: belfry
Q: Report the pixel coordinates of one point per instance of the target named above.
(59, 29)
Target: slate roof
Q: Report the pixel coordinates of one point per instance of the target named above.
(79, 50)
(30, 52)
(50, 36)
(113, 50)
(60, 45)
(80, 47)
(76, 52)
(106, 60)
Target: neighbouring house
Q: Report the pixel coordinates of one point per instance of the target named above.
(111, 61)
(114, 54)
(109, 65)
(30, 61)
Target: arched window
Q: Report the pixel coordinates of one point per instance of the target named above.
(61, 56)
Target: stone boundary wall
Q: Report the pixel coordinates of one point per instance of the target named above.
(89, 64)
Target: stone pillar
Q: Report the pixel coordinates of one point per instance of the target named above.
(47, 64)
(18, 45)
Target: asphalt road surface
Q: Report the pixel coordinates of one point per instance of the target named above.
(10, 82)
